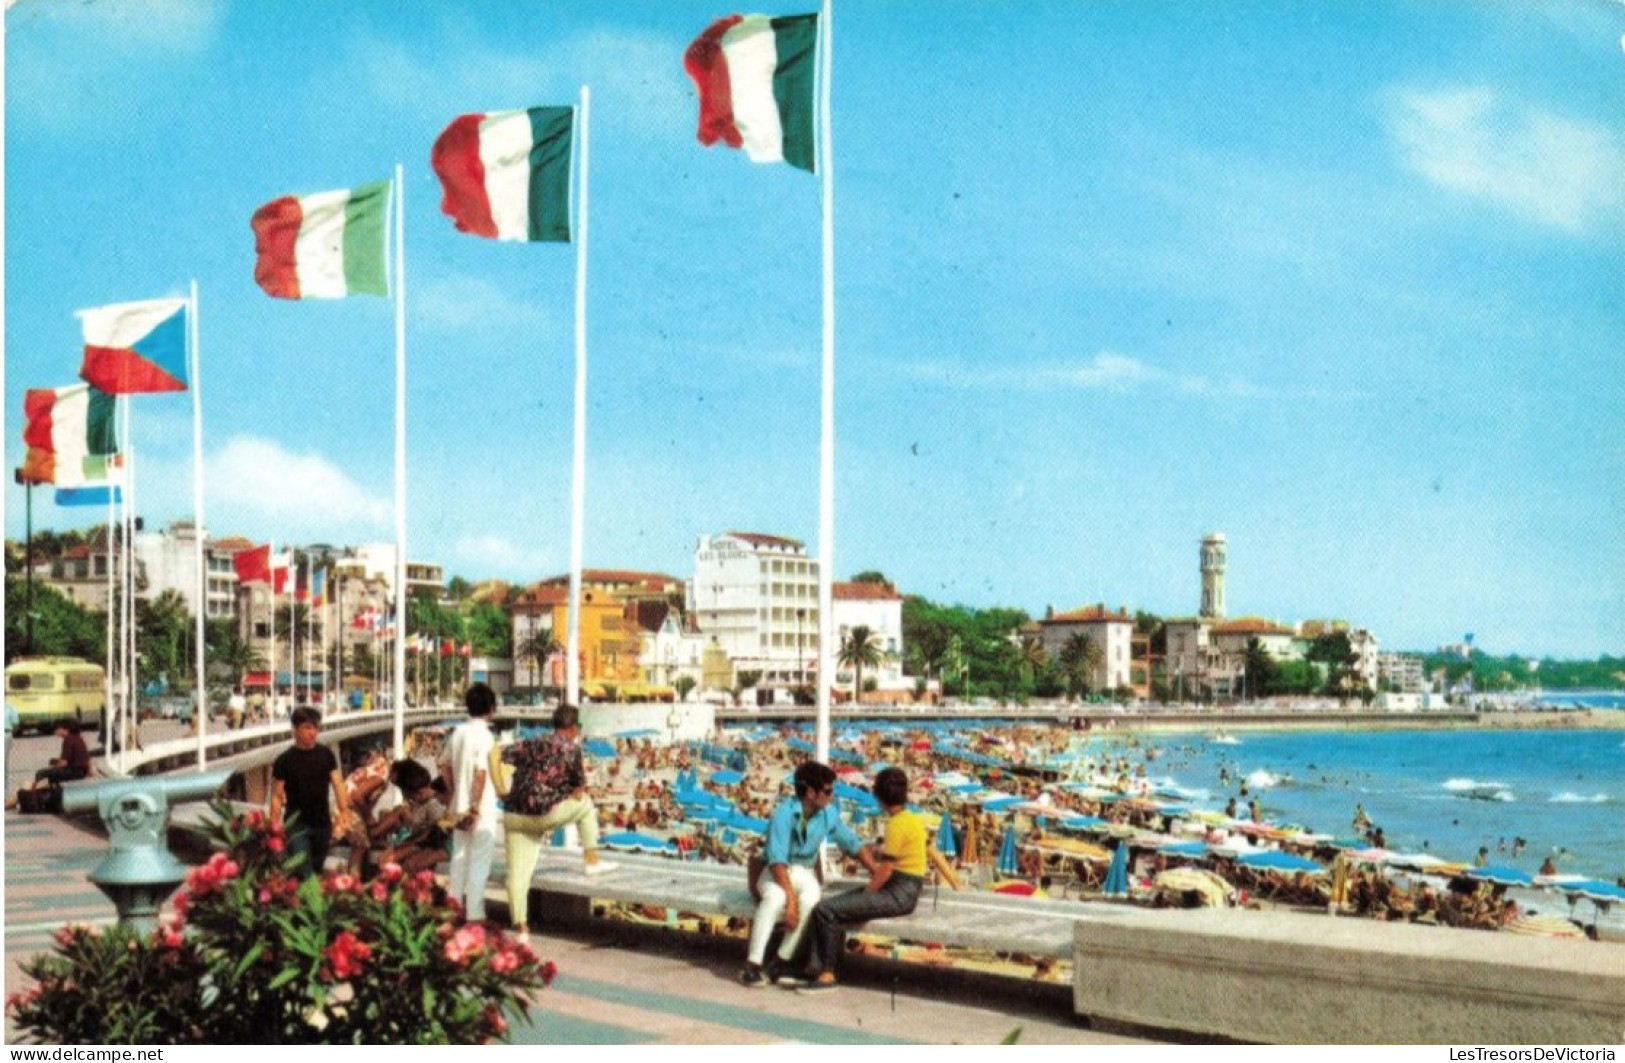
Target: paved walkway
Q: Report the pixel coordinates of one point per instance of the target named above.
(616, 986)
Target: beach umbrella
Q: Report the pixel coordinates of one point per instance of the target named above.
(726, 777)
(1213, 891)
(1008, 864)
(1276, 860)
(996, 804)
(1594, 890)
(1116, 884)
(1082, 822)
(972, 854)
(635, 842)
(597, 747)
(1183, 849)
(1501, 876)
(945, 837)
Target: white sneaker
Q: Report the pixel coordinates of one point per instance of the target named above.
(602, 867)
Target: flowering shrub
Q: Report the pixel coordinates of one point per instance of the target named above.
(256, 955)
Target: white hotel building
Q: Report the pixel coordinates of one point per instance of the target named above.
(756, 597)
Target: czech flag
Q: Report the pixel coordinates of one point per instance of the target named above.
(132, 348)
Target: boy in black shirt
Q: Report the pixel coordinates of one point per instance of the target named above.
(300, 780)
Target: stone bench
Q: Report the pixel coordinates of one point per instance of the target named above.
(1295, 978)
(1034, 926)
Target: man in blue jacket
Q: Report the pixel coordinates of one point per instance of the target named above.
(789, 885)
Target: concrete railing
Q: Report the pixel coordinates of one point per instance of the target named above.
(1297, 978)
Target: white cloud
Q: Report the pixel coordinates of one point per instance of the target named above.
(1106, 371)
(458, 303)
(130, 25)
(462, 303)
(639, 72)
(494, 554)
(1553, 170)
(256, 480)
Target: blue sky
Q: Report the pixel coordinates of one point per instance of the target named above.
(1343, 281)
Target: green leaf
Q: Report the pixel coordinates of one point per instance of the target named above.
(284, 976)
(248, 960)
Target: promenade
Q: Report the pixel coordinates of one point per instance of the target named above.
(617, 984)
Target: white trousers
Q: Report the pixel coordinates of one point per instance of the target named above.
(471, 855)
(804, 881)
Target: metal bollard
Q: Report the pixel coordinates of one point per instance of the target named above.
(139, 872)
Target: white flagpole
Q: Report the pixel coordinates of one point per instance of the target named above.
(398, 694)
(826, 448)
(197, 508)
(112, 560)
(270, 697)
(310, 620)
(127, 675)
(578, 470)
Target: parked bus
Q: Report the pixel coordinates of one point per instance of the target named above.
(47, 691)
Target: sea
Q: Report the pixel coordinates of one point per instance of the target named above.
(1446, 793)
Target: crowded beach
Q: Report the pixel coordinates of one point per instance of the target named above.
(1043, 811)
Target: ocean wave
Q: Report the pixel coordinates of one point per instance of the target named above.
(1569, 798)
(1263, 780)
(1479, 790)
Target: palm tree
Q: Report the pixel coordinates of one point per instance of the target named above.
(1033, 657)
(538, 646)
(1081, 658)
(861, 647)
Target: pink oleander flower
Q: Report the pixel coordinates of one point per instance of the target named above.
(505, 961)
(275, 843)
(379, 892)
(549, 971)
(391, 873)
(465, 943)
(341, 882)
(346, 955)
(493, 1018)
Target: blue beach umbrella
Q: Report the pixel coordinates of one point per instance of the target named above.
(635, 842)
(1116, 884)
(597, 747)
(726, 777)
(1082, 823)
(1501, 876)
(1007, 863)
(945, 837)
(1183, 849)
(1598, 892)
(998, 804)
(1275, 860)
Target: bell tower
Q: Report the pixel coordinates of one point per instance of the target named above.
(1213, 552)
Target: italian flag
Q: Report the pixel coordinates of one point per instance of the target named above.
(323, 246)
(70, 435)
(506, 174)
(755, 75)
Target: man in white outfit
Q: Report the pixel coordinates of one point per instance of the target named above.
(789, 887)
(465, 764)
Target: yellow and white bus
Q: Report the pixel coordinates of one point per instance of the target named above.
(46, 691)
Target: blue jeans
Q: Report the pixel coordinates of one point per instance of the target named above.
(834, 914)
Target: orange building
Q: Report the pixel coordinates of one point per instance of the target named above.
(609, 642)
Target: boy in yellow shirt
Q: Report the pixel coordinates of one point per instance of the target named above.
(894, 886)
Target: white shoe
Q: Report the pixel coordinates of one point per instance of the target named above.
(602, 867)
